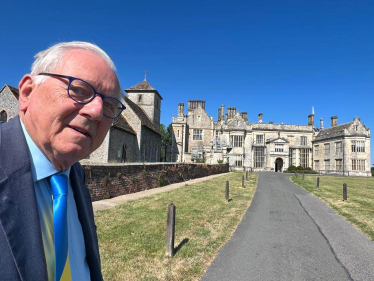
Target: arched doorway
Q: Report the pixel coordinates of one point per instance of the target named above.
(3, 116)
(279, 165)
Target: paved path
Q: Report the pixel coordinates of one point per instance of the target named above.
(109, 203)
(288, 234)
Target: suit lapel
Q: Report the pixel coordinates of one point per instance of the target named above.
(18, 209)
(86, 218)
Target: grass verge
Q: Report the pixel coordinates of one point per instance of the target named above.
(358, 209)
(132, 235)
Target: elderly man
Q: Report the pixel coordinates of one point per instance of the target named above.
(67, 105)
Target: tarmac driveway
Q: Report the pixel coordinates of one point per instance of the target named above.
(288, 234)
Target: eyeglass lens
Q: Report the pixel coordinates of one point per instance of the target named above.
(82, 92)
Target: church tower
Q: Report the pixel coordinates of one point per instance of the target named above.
(147, 98)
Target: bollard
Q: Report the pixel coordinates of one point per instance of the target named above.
(318, 182)
(344, 192)
(243, 181)
(246, 174)
(170, 230)
(303, 176)
(296, 174)
(227, 190)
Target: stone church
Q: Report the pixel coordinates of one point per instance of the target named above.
(133, 137)
(340, 149)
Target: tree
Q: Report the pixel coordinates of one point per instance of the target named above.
(166, 137)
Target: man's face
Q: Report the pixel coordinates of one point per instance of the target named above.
(64, 130)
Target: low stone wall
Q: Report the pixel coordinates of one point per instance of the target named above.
(111, 180)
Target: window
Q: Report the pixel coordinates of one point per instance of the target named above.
(304, 141)
(140, 98)
(327, 149)
(198, 118)
(316, 165)
(327, 165)
(278, 147)
(259, 139)
(197, 134)
(358, 165)
(178, 133)
(339, 165)
(3, 116)
(217, 134)
(237, 141)
(338, 147)
(292, 156)
(358, 146)
(259, 157)
(316, 150)
(238, 160)
(304, 157)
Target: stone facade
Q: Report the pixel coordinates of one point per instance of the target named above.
(107, 181)
(148, 99)
(267, 147)
(343, 149)
(8, 103)
(135, 135)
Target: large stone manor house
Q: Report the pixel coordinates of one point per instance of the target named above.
(340, 149)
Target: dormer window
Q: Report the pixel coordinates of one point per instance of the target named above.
(140, 98)
(198, 118)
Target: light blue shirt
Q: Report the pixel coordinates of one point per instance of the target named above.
(41, 169)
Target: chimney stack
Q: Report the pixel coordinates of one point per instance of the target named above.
(244, 116)
(321, 124)
(193, 104)
(181, 109)
(334, 121)
(311, 120)
(271, 122)
(231, 112)
(260, 118)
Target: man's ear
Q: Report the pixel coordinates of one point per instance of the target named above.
(26, 86)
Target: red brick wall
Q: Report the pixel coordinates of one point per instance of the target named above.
(107, 181)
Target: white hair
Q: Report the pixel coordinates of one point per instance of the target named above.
(48, 60)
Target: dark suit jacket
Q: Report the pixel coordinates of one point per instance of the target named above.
(21, 246)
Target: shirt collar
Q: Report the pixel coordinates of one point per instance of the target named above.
(41, 167)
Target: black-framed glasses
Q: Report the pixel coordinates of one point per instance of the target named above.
(82, 92)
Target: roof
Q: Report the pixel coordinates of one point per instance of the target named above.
(142, 116)
(121, 123)
(14, 91)
(143, 86)
(333, 131)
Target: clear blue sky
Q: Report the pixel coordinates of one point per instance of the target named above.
(275, 57)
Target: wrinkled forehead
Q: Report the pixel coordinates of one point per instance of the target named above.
(90, 67)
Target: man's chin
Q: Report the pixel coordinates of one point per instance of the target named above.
(65, 158)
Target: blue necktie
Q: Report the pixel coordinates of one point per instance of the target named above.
(59, 183)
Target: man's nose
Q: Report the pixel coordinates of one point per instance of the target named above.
(93, 109)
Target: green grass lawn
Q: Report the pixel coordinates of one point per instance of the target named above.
(358, 209)
(132, 235)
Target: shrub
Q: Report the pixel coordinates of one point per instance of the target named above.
(291, 169)
(220, 161)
